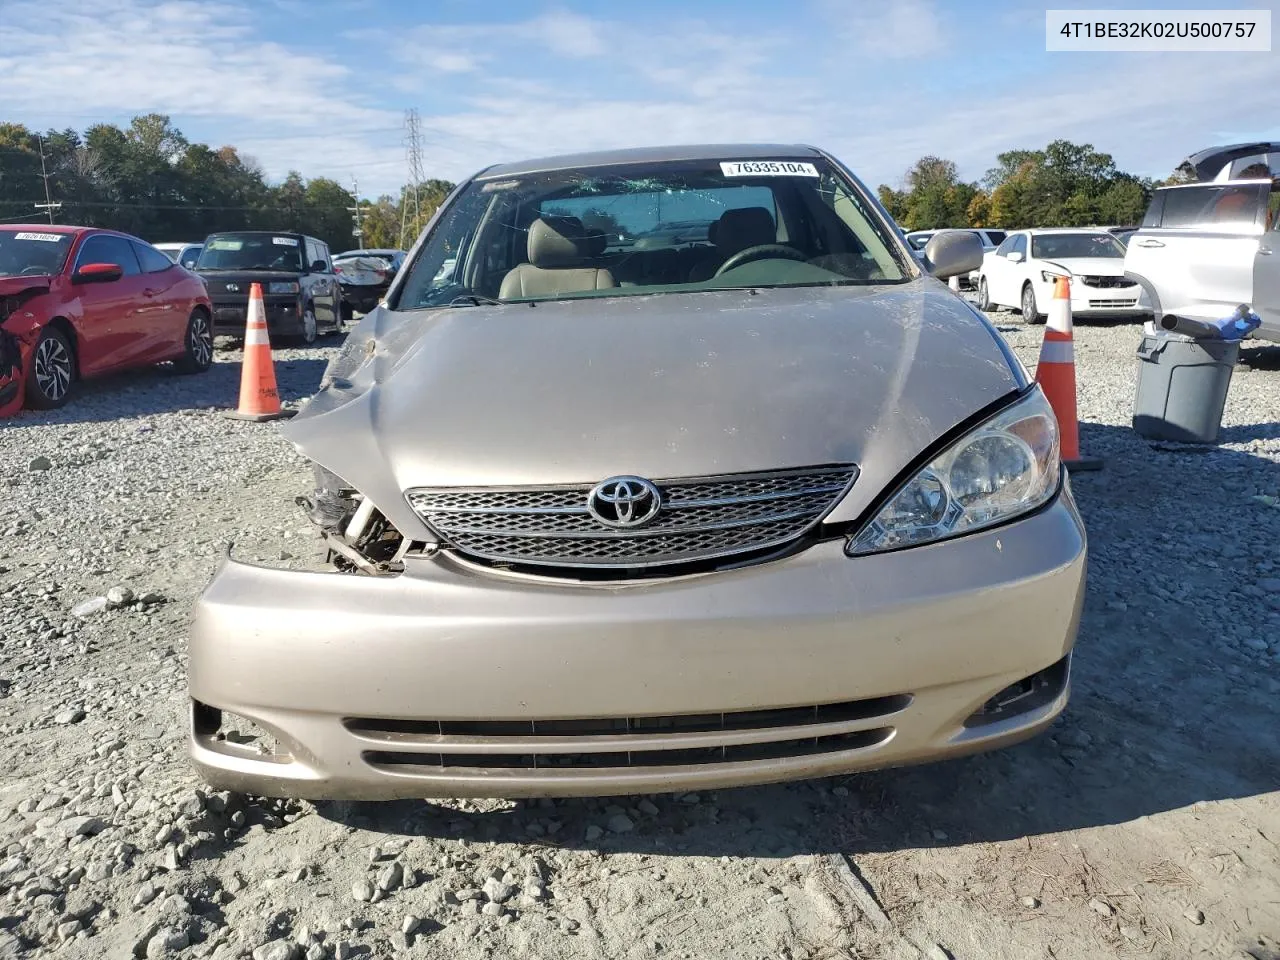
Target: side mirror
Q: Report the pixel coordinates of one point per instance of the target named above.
(319, 266)
(952, 253)
(1014, 256)
(98, 273)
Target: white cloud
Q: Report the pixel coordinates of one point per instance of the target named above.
(561, 81)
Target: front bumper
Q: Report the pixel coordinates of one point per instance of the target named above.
(231, 316)
(381, 688)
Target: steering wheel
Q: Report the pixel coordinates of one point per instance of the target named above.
(761, 251)
(36, 271)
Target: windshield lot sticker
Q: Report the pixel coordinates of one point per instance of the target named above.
(285, 241)
(46, 237)
(226, 244)
(767, 168)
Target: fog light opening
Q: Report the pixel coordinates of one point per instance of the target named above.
(233, 734)
(1028, 694)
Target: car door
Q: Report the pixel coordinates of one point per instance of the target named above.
(1266, 271)
(105, 331)
(321, 281)
(161, 320)
(999, 277)
(1197, 246)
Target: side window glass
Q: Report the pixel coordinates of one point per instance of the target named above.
(105, 248)
(1005, 246)
(151, 259)
(1235, 204)
(1020, 244)
(324, 255)
(313, 254)
(1273, 210)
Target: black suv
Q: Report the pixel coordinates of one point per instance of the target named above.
(299, 288)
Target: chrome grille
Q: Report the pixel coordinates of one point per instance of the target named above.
(701, 518)
(1113, 303)
(1106, 282)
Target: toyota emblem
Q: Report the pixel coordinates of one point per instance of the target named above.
(624, 501)
(233, 288)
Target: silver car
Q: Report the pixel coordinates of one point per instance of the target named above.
(1206, 247)
(607, 520)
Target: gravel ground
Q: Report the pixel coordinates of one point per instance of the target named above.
(1145, 823)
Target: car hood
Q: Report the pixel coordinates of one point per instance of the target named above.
(660, 386)
(1088, 266)
(15, 291)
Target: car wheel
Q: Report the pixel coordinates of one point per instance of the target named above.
(309, 329)
(53, 370)
(1030, 312)
(199, 344)
(984, 296)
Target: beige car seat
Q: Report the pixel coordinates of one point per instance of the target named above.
(559, 251)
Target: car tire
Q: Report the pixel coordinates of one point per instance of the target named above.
(53, 371)
(1030, 311)
(984, 297)
(309, 328)
(198, 344)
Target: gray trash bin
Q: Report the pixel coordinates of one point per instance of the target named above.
(1182, 387)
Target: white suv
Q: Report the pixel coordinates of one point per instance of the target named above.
(1205, 248)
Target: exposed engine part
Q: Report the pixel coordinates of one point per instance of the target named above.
(359, 538)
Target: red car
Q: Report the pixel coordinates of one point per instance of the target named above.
(79, 302)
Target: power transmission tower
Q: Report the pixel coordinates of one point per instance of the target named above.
(355, 192)
(410, 208)
(48, 206)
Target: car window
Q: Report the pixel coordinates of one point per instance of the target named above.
(108, 248)
(1005, 246)
(996, 236)
(324, 255)
(1054, 246)
(251, 251)
(27, 253)
(1212, 204)
(669, 227)
(1019, 244)
(313, 253)
(1273, 210)
(151, 259)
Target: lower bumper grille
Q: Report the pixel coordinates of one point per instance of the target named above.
(620, 742)
(1113, 303)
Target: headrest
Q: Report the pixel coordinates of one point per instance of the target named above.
(745, 227)
(562, 242)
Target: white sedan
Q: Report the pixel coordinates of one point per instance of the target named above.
(1021, 271)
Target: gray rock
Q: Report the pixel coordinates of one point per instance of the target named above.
(81, 827)
(38, 464)
(167, 942)
(68, 716)
(10, 947)
(1130, 933)
(621, 823)
(493, 909)
(409, 924)
(497, 891)
(391, 877)
(315, 952)
(119, 596)
(938, 952)
(69, 929)
(1102, 908)
(647, 807)
(342, 950)
(146, 893)
(1031, 903)
(363, 890)
(594, 833)
(277, 950)
(1195, 916)
(91, 607)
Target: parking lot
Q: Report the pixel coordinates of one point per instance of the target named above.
(1146, 823)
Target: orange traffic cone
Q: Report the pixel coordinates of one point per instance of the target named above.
(1056, 374)
(259, 399)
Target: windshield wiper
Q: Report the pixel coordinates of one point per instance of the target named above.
(475, 300)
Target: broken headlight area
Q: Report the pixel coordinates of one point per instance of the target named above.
(358, 538)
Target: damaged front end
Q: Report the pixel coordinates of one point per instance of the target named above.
(358, 538)
(19, 330)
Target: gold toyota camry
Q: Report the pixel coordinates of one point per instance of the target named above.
(656, 470)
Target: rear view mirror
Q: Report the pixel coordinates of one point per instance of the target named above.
(1014, 256)
(98, 273)
(952, 252)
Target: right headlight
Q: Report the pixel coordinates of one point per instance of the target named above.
(1007, 466)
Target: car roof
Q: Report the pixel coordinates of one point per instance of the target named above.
(264, 233)
(54, 228)
(1208, 163)
(1250, 181)
(606, 158)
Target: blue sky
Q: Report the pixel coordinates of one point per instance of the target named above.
(321, 86)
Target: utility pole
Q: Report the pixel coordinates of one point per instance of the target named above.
(409, 223)
(48, 206)
(355, 192)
